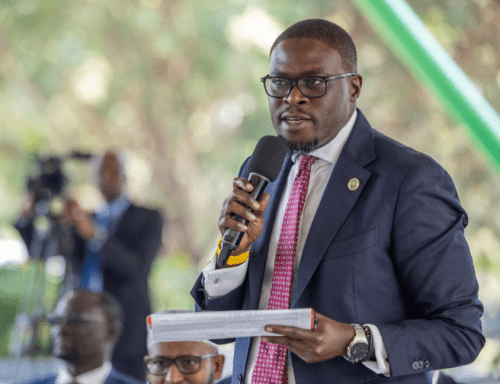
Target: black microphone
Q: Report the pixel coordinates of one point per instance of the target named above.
(264, 167)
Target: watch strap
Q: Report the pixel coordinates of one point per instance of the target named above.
(369, 337)
(362, 335)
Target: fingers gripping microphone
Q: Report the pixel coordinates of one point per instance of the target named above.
(264, 167)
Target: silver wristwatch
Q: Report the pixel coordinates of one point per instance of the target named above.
(361, 346)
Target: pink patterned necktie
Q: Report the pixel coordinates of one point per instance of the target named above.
(270, 365)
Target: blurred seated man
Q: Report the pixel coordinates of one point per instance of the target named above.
(187, 362)
(85, 328)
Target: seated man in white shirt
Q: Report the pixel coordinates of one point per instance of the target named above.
(85, 328)
(189, 362)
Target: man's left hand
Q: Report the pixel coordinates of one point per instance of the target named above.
(329, 339)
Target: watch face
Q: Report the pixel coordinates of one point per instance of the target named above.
(359, 350)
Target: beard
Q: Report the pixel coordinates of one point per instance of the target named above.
(300, 147)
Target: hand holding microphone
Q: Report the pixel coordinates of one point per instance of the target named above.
(242, 216)
(238, 219)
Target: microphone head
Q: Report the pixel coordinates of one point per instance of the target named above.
(267, 157)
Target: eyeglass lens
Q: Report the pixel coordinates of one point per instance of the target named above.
(69, 320)
(309, 86)
(185, 364)
(72, 320)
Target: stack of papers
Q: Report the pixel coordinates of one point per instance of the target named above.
(210, 325)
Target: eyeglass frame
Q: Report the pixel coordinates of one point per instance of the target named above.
(296, 81)
(83, 319)
(174, 361)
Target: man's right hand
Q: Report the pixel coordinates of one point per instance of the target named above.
(74, 215)
(237, 203)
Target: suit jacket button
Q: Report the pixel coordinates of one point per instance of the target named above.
(420, 364)
(426, 363)
(240, 378)
(414, 365)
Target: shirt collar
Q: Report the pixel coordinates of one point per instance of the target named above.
(95, 376)
(114, 208)
(331, 151)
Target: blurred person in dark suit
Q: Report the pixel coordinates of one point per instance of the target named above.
(443, 378)
(85, 328)
(113, 250)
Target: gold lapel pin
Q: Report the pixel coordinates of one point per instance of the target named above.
(353, 184)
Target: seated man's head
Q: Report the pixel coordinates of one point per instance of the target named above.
(187, 362)
(85, 328)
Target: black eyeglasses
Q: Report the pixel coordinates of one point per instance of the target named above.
(311, 86)
(159, 366)
(74, 320)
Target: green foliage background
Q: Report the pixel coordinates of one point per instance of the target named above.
(175, 84)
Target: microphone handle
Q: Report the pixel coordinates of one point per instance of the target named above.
(232, 238)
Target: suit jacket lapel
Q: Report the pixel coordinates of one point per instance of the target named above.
(337, 201)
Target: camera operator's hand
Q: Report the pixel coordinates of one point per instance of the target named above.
(74, 214)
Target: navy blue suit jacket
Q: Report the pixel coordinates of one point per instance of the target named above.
(127, 257)
(114, 377)
(391, 253)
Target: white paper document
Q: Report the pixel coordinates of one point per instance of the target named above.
(225, 324)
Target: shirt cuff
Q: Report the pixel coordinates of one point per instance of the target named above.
(219, 282)
(381, 364)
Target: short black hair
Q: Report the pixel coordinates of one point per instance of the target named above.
(328, 33)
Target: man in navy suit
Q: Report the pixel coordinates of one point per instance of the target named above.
(381, 254)
(85, 328)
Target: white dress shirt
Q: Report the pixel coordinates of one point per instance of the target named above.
(218, 282)
(95, 376)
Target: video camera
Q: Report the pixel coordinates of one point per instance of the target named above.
(50, 179)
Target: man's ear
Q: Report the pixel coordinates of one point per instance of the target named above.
(355, 87)
(112, 332)
(218, 366)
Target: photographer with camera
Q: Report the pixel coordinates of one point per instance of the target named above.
(112, 250)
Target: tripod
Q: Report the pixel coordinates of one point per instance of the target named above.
(50, 247)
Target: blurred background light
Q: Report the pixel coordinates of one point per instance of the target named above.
(12, 252)
(253, 27)
(90, 80)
